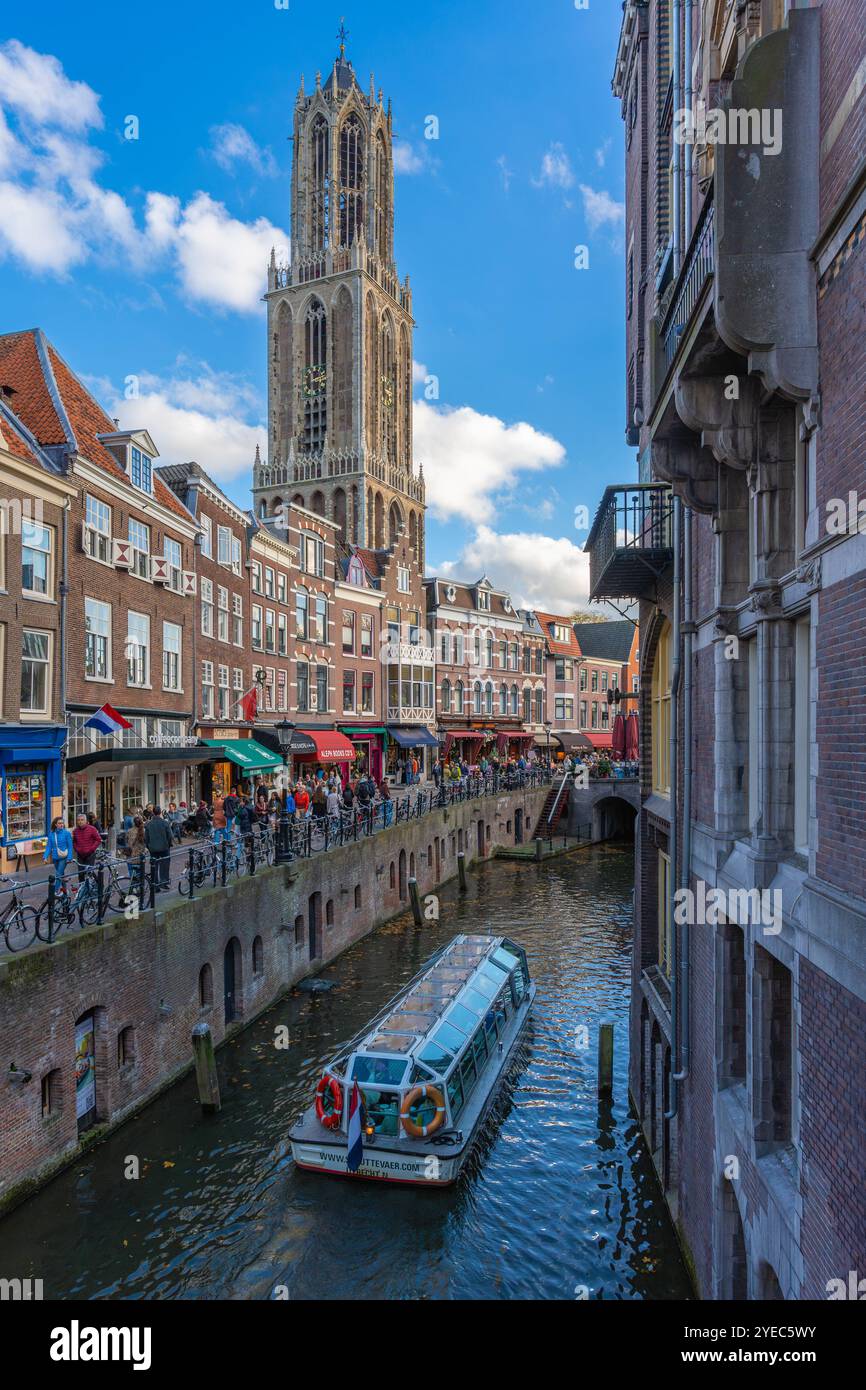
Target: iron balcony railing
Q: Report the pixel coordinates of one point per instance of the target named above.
(698, 266)
(630, 543)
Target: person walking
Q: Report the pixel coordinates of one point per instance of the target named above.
(335, 802)
(319, 803)
(302, 801)
(158, 839)
(202, 818)
(58, 850)
(387, 803)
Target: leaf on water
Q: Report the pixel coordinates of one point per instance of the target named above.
(167, 1163)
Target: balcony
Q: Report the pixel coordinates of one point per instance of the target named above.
(685, 294)
(630, 542)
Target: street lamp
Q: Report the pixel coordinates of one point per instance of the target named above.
(284, 730)
(548, 726)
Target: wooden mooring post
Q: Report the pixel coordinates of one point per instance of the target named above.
(461, 870)
(415, 901)
(539, 847)
(605, 1061)
(205, 1068)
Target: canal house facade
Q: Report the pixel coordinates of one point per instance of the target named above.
(485, 702)
(36, 499)
(746, 403)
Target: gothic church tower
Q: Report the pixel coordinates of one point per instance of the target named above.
(340, 330)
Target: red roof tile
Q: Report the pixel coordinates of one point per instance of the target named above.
(569, 648)
(22, 368)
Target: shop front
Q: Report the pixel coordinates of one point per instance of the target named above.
(31, 788)
(117, 782)
(369, 745)
(464, 745)
(512, 744)
(318, 750)
(406, 744)
(242, 763)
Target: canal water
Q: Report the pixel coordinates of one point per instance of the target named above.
(560, 1198)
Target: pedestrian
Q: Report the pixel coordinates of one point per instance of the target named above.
(158, 838)
(202, 818)
(86, 840)
(230, 806)
(319, 803)
(348, 796)
(335, 801)
(363, 794)
(437, 772)
(58, 850)
(387, 803)
(219, 820)
(302, 800)
(135, 846)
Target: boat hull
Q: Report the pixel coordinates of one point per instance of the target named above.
(424, 1164)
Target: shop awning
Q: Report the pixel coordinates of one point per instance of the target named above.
(377, 729)
(541, 739)
(246, 753)
(321, 746)
(412, 738)
(479, 734)
(599, 738)
(114, 757)
(573, 738)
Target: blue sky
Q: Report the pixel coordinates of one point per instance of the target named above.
(145, 258)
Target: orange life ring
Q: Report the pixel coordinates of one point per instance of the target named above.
(330, 1119)
(411, 1098)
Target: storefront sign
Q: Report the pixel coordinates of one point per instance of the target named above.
(173, 741)
(85, 1068)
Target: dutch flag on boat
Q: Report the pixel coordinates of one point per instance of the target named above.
(107, 721)
(356, 1142)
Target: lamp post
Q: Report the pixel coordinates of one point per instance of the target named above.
(548, 726)
(284, 730)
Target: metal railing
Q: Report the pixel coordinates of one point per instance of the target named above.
(116, 888)
(635, 519)
(699, 265)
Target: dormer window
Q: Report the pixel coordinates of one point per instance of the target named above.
(484, 600)
(141, 470)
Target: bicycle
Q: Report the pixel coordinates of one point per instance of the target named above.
(199, 868)
(18, 921)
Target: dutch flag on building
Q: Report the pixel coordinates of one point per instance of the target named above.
(107, 721)
(356, 1142)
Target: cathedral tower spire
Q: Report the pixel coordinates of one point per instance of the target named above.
(340, 328)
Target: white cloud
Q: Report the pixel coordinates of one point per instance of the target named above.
(469, 458)
(538, 571)
(505, 174)
(600, 208)
(419, 372)
(54, 212)
(36, 87)
(220, 260)
(232, 145)
(556, 170)
(602, 152)
(198, 416)
(407, 160)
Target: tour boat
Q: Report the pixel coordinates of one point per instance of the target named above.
(425, 1073)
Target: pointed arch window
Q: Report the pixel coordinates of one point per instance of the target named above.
(389, 391)
(351, 180)
(320, 185)
(315, 382)
(383, 199)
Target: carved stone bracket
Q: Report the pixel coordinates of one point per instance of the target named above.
(767, 601)
(810, 575)
(691, 471)
(724, 411)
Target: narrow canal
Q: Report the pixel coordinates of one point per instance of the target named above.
(559, 1195)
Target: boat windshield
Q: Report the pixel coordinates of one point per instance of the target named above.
(386, 1071)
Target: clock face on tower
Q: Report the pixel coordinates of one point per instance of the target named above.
(388, 392)
(315, 381)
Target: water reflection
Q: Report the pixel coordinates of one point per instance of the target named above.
(559, 1193)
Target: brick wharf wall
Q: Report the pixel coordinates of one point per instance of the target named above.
(145, 975)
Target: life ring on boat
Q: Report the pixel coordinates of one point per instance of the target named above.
(411, 1098)
(330, 1119)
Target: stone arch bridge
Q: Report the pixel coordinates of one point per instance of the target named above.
(608, 804)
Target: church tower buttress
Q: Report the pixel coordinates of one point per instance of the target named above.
(340, 330)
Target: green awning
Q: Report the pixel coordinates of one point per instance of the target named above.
(246, 753)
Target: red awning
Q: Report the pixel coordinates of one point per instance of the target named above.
(327, 748)
(598, 739)
(480, 734)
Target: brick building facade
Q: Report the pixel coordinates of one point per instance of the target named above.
(746, 398)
